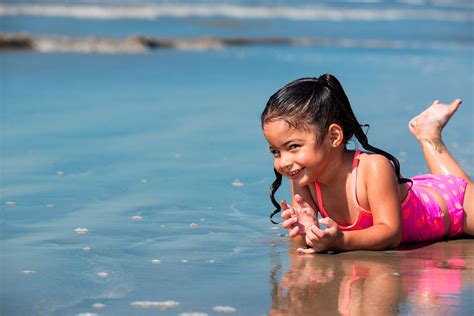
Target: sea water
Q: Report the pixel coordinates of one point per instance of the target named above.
(133, 183)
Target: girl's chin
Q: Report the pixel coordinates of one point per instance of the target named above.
(301, 181)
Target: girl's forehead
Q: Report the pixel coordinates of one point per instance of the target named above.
(281, 130)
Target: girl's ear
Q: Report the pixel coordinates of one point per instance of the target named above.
(336, 135)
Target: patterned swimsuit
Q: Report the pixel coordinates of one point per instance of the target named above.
(422, 217)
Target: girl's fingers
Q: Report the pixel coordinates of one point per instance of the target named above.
(286, 214)
(311, 235)
(289, 222)
(317, 232)
(294, 231)
(301, 201)
(326, 221)
(306, 251)
(284, 205)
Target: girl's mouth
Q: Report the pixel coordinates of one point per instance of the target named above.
(295, 173)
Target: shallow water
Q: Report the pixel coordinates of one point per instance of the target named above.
(143, 177)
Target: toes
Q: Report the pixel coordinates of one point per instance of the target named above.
(455, 105)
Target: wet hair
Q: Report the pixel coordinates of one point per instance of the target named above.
(313, 104)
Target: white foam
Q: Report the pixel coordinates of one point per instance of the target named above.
(156, 261)
(193, 225)
(301, 12)
(86, 314)
(10, 203)
(237, 183)
(81, 231)
(137, 218)
(87, 45)
(224, 309)
(103, 274)
(99, 305)
(194, 314)
(87, 249)
(155, 304)
(185, 261)
(28, 272)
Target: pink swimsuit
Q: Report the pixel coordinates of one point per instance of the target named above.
(422, 218)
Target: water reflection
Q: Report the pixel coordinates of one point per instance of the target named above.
(426, 280)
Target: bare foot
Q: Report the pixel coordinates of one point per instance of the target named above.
(427, 126)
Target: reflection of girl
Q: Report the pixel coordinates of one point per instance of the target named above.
(364, 201)
(323, 285)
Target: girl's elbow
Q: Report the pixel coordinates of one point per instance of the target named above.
(394, 239)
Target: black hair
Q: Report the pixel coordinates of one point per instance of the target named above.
(310, 103)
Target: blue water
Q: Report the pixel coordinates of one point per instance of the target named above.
(91, 140)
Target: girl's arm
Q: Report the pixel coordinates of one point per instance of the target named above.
(382, 194)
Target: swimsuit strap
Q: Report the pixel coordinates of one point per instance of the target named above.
(355, 164)
(320, 199)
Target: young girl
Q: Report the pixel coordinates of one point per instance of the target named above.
(364, 201)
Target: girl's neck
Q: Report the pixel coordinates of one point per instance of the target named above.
(338, 169)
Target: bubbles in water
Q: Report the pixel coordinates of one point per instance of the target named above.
(87, 249)
(81, 231)
(224, 309)
(28, 272)
(237, 183)
(137, 218)
(102, 274)
(185, 261)
(155, 304)
(99, 305)
(156, 261)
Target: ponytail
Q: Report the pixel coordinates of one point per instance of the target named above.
(353, 127)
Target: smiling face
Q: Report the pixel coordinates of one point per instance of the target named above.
(299, 154)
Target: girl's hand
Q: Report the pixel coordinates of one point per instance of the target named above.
(322, 239)
(299, 218)
(291, 221)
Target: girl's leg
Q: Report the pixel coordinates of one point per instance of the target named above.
(427, 128)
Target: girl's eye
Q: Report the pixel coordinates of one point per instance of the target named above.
(275, 152)
(293, 146)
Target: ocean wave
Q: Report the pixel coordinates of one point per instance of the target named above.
(308, 12)
(143, 44)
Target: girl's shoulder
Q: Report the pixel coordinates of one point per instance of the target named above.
(374, 164)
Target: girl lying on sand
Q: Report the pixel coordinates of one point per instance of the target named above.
(364, 201)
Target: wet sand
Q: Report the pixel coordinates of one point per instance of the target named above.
(428, 279)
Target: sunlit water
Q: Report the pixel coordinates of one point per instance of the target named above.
(137, 183)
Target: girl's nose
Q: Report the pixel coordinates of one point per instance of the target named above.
(285, 161)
